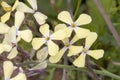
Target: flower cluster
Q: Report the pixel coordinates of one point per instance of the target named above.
(68, 32)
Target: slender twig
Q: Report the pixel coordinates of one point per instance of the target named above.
(93, 74)
(53, 4)
(108, 21)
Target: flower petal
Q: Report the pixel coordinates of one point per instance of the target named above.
(83, 19)
(92, 36)
(37, 43)
(74, 50)
(59, 27)
(24, 8)
(26, 35)
(52, 48)
(4, 28)
(44, 29)
(74, 39)
(81, 33)
(15, 5)
(33, 3)
(20, 76)
(42, 54)
(19, 17)
(58, 56)
(8, 69)
(6, 6)
(5, 17)
(13, 53)
(65, 17)
(40, 18)
(58, 35)
(97, 54)
(80, 61)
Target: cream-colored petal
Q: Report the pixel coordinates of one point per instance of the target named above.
(42, 54)
(52, 48)
(66, 41)
(13, 53)
(74, 39)
(58, 56)
(8, 69)
(33, 3)
(4, 28)
(26, 35)
(44, 29)
(40, 17)
(74, 50)
(24, 8)
(20, 76)
(40, 66)
(5, 17)
(1, 48)
(15, 5)
(58, 35)
(81, 32)
(6, 6)
(83, 19)
(7, 47)
(96, 54)
(65, 17)
(59, 27)
(80, 61)
(92, 36)
(37, 43)
(19, 17)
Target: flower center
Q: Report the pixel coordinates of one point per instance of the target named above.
(73, 25)
(47, 38)
(84, 50)
(67, 45)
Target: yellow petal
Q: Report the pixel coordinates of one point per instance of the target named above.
(66, 41)
(80, 61)
(74, 39)
(81, 32)
(83, 19)
(96, 54)
(52, 48)
(37, 43)
(5, 17)
(40, 18)
(15, 5)
(58, 56)
(58, 35)
(7, 47)
(92, 36)
(24, 8)
(6, 6)
(59, 27)
(33, 3)
(8, 69)
(13, 53)
(1, 48)
(42, 54)
(65, 17)
(41, 65)
(20, 76)
(74, 50)
(4, 28)
(19, 17)
(44, 29)
(26, 35)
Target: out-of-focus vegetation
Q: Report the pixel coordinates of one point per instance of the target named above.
(106, 41)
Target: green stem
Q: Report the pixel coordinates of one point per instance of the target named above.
(51, 74)
(77, 8)
(101, 72)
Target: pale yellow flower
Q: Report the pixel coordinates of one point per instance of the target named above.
(96, 54)
(48, 39)
(8, 10)
(40, 17)
(8, 69)
(74, 26)
(72, 49)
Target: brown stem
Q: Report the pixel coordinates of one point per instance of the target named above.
(108, 21)
(93, 75)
